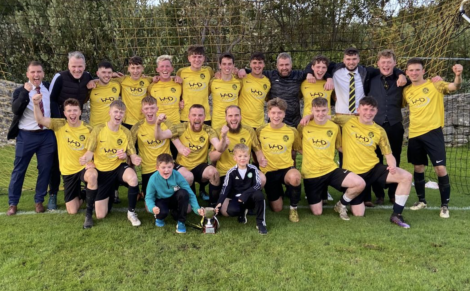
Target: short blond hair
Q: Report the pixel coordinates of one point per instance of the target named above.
(240, 147)
(386, 54)
(164, 58)
(277, 102)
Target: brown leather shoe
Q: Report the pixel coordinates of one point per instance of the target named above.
(369, 204)
(12, 210)
(39, 207)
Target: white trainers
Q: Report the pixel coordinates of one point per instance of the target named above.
(444, 212)
(330, 198)
(418, 205)
(132, 216)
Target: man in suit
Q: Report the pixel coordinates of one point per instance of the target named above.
(31, 138)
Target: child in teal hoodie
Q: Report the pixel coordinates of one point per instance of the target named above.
(168, 192)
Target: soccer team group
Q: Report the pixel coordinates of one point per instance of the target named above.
(166, 125)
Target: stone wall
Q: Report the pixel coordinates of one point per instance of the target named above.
(456, 129)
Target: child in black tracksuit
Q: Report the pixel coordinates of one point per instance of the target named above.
(242, 186)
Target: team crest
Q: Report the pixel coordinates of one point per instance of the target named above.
(119, 141)
(425, 90)
(265, 87)
(249, 175)
(141, 83)
(329, 133)
(202, 76)
(81, 137)
(173, 90)
(371, 134)
(234, 87)
(202, 139)
(242, 140)
(114, 90)
(285, 138)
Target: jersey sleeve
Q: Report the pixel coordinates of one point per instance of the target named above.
(383, 143)
(57, 123)
(92, 139)
(177, 130)
(255, 145)
(300, 128)
(130, 149)
(442, 87)
(120, 79)
(211, 132)
(297, 146)
(135, 129)
(339, 139)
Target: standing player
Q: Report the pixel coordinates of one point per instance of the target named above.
(166, 91)
(143, 132)
(278, 141)
(196, 80)
(195, 137)
(320, 137)
(237, 133)
(72, 134)
(111, 144)
(224, 91)
(133, 90)
(104, 92)
(426, 104)
(311, 91)
(255, 88)
(361, 137)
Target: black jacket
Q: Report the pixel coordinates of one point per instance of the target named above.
(66, 86)
(18, 105)
(234, 184)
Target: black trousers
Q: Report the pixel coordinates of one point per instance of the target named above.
(395, 138)
(176, 205)
(256, 202)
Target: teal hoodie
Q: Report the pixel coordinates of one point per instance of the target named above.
(159, 188)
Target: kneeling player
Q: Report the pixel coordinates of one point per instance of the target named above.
(278, 141)
(72, 134)
(167, 191)
(320, 137)
(361, 136)
(242, 190)
(111, 143)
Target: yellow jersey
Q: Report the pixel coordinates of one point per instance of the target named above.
(149, 147)
(252, 100)
(168, 95)
(100, 99)
(71, 143)
(311, 91)
(426, 103)
(277, 146)
(105, 143)
(197, 142)
(133, 91)
(195, 89)
(247, 136)
(318, 148)
(359, 144)
(224, 94)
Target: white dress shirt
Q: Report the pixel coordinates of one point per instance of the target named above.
(27, 121)
(341, 80)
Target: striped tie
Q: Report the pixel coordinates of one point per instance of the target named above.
(352, 93)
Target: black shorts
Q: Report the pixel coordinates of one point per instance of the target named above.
(72, 185)
(378, 174)
(107, 181)
(197, 172)
(146, 177)
(274, 182)
(429, 144)
(316, 187)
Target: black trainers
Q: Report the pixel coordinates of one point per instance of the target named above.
(88, 222)
(262, 229)
(242, 217)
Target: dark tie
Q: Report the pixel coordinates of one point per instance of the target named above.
(352, 93)
(41, 105)
(385, 83)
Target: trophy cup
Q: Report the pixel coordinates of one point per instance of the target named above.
(210, 222)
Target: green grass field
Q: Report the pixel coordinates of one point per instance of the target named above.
(51, 251)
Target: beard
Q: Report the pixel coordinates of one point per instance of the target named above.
(235, 130)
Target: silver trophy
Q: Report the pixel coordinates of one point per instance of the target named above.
(210, 222)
